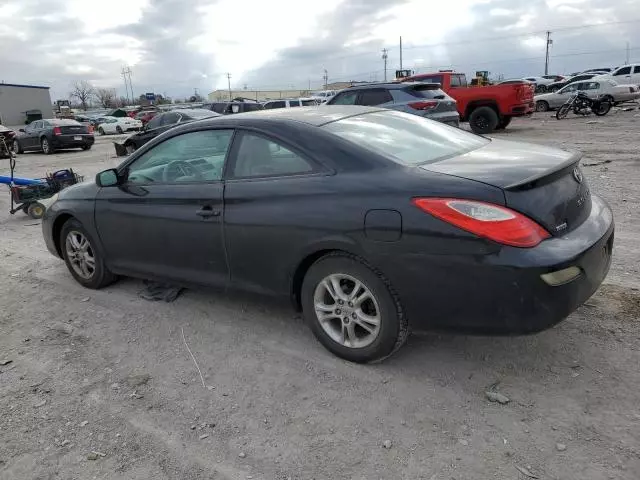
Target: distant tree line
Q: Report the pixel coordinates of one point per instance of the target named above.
(83, 95)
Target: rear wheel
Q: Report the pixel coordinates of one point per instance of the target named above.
(84, 262)
(47, 149)
(119, 130)
(352, 309)
(604, 107)
(101, 131)
(542, 106)
(503, 123)
(86, 147)
(483, 120)
(130, 147)
(17, 148)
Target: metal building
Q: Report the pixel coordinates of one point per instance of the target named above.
(22, 103)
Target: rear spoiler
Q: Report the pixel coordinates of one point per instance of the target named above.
(428, 85)
(548, 175)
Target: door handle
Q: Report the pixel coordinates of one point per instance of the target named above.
(207, 211)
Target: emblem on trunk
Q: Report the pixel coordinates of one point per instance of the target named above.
(577, 174)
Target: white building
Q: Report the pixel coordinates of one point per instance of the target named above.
(19, 103)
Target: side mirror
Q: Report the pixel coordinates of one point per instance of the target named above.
(107, 178)
(21, 130)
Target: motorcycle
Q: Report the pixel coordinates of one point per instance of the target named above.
(582, 104)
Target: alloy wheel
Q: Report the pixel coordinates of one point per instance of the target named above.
(347, 310)
(80, 254)
(45, 145)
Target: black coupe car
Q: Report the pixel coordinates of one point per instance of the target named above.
(53, 134)
(160, 124)
(372, 221)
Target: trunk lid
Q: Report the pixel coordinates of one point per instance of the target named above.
(546, 184)
(73, 129)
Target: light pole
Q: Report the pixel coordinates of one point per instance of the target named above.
(384, 57)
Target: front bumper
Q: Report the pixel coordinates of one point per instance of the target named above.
(502, 292)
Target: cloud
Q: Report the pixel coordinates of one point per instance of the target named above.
(174, 46)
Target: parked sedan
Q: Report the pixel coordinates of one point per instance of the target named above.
(160, 124)
(118, 125)
(53, 134)
(372, 221)
(597, 87)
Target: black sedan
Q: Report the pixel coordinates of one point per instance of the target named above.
(160, 124)
(53, 134)
(372, 221)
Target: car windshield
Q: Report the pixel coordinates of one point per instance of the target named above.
(404, 138)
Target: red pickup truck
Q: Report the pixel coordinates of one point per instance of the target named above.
(486, 108)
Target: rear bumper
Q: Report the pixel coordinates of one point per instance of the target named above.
(72, 141)
(450, 118)
(522, 109)
(502, 292)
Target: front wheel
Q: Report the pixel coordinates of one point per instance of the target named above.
(101, 131)
(86, 147)
(17, 148)
(563, 111)
(542, 106)
(352, 309)
(84, 262)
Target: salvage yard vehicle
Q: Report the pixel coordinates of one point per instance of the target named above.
(160, 124)
(53, 134)
(7, 137)
(486, 108)
(597, 87)
(423, 99)
(290, 103)
(424, 227)
(628, 74)
(118, 125)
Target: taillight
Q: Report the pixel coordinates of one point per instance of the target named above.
(487, 220)
(90, 127)
(632, 89)
(57, 131)
(423, 105)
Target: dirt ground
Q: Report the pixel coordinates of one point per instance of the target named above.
(101, 385)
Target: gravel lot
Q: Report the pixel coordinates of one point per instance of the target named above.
(100, 384)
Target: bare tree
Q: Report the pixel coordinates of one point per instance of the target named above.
(83, 91)
(106, 97)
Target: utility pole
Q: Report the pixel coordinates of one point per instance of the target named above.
(127, 72)
(546, 61)
(400, 52)
(384, 57)
(229, 84)
(325, 77)
(627, 60)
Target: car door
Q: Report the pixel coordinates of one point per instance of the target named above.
(266, 186)
(563, 94)
(349, 97)
(151, 130)
(635, 75)
(592, 89)
(26, 139)
(623, 75)
(164, 220)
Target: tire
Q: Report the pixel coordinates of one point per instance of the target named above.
(542, 106)
(36, 210)
(130, 147)
(17, 148)
(605, 106)
(119, 130)
(101, 131)
(562, 111)
(47, 149)
(373, 343)
(483, 120)
(98, 276)
(503, 123)
(86, 147)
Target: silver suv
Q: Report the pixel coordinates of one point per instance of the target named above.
(423, 99)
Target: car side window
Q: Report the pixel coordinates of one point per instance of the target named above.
(294, 103)
(259, 156)
(636, 69)
(170, 118)
(190, 157)
(592, 86)
(345, 98)
(623, 71)
(374, 96)
(570, 88)
(155, 122)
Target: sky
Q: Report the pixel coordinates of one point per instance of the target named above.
(174, 47)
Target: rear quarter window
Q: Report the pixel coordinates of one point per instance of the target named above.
(425, 91)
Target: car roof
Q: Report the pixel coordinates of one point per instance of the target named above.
(390, 85)
(61, 121)
(316, 116)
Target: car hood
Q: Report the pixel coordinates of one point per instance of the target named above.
(505, 164)
(80, 191)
